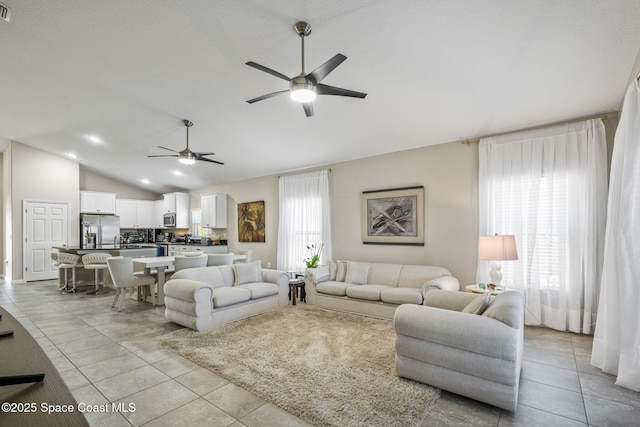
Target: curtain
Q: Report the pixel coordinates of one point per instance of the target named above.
(616, 343)
(548, 187)
(304, 219)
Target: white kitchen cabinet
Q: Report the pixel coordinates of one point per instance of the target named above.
(158, 214)
(178, 203)
(135, 213)
(97, 202)
(214, 210)
(181, 249)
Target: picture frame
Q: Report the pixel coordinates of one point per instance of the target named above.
(393, 216)
(251, 222)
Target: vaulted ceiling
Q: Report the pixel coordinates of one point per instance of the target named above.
(128, 73)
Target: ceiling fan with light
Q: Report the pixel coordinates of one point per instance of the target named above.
(187, 156)
(304, 88)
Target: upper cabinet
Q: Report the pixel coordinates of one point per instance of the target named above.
(97, 203)
(178, 203)
(135, 213)
(158, 214)
(214, 210)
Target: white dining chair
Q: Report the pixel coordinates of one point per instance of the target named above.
(247, 252)
(181, 262)
(220, 259)
(121, 270)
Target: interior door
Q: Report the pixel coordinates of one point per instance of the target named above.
(46, 225)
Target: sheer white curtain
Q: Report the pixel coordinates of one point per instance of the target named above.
(548, 187)
(304, 218)
(616, 343)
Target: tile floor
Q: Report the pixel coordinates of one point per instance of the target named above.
(105, 356)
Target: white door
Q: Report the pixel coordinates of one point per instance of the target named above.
(46, 225)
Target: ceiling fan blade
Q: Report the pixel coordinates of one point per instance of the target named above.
(308, 109)
(332, 90)
(203, 154)
(268, 70)
(322, 71)
(165, 155)
(165, 148)
(267, 96)
(209, 160)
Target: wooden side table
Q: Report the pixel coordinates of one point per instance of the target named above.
(294, 284)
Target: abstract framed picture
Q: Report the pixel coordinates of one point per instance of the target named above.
(251, 222)
(393, 217)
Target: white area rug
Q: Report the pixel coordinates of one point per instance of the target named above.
(326, 367)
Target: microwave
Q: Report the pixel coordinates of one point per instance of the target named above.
(170, 220)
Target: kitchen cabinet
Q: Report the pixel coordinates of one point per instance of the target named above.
(97, 202)
(135, 213)
(158, 214)
(178, 203)
(175, 250)
(214, 210)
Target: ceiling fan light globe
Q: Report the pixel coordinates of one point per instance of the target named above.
(302, 90)
(186, 161)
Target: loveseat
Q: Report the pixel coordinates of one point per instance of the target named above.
(374, 289)
(200, 298)
(464, 343)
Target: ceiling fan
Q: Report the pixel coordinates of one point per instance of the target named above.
(304, 88)
(187, 156)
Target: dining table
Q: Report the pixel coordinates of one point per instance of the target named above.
(160, 263)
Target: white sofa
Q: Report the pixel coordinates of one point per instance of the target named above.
(464, 343)
(374, 289)
(200, 298)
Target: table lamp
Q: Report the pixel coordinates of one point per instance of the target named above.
(497, 249)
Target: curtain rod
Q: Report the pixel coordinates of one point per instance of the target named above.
(603, 116)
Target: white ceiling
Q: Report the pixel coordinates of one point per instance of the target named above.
(129, 72)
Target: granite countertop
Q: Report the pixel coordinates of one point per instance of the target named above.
(108, 247)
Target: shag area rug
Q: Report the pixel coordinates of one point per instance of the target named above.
(326, 367)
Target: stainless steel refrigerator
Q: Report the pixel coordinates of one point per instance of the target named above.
(105, 227)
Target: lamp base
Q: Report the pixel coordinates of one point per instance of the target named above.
(496, 273)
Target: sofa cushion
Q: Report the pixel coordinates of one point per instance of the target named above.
(223, 297)
(384, 274)
(341, 272)
(357, 272)
(260, 289)
(368, 292)
(401, 296)
(507, 308)
(479, 304)
(208, 275)
(414, 276)
(333, 288)
(333, 270)
(248, 272)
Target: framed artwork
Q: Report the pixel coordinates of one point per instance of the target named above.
(251, 223)
(393, 217)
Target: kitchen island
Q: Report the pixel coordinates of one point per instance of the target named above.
(84, 277)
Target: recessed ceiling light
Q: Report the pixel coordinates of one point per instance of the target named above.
(94, 138)
(145, 181)
(177, 173)
(72, 155)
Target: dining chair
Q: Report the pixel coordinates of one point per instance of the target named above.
(220, 259)
(121, 270)
(97, 262)
(182, 262)
(68, 262)
(247, 252)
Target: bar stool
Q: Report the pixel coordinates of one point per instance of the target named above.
(68, 261)
(97, 262)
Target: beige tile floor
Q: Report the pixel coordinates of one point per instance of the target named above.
(105, 356)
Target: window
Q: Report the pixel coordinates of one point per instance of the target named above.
(196, 223)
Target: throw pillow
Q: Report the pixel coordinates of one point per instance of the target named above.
(333, 270)
(357, 272)
(479, 304)
(341, 272)
(248, 272)
(507, 308)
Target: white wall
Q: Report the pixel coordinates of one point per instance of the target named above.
(90, 181)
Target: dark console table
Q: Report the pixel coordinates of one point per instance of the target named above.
(41, 403)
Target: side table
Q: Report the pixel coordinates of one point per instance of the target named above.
(294, 284)
(474, 289)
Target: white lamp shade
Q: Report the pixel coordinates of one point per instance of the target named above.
(497, 248)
